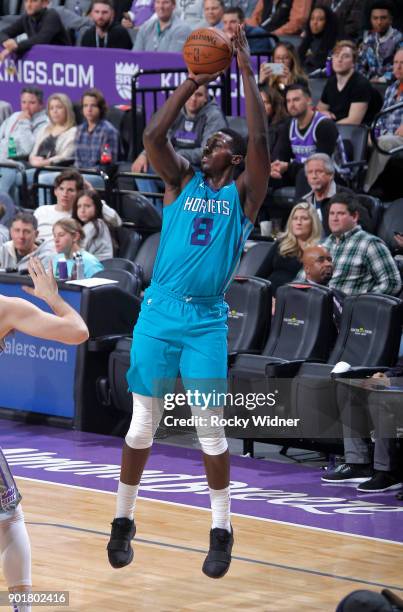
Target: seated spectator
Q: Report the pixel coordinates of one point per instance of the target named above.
(349, 16)
(234, 16)
(5, 110)
(318, 269)
(213, 11)
(276, 112)
(95, 136)
(297, 19)
(375, 54)
(320, 174)
(347, 95)
(68, 235)
(105, 33)
(166, 32)
(270, 14)
(362, 262)
(139, 12)
(87, 210)
(42, 26)
(303, 229)
(309, 132)
(199, 119)
(24, 244)
(67, 186)
(4, 232)
(18, 133)
(363, 410)
(320, 36)
(292, 74)
(390, 126)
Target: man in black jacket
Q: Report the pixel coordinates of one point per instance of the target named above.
(42, 26)
(105, 32)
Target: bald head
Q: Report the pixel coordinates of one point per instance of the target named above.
(317, 263)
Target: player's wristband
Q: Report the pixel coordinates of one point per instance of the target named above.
(193, 81)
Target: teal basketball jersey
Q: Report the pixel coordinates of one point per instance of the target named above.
(202, 237)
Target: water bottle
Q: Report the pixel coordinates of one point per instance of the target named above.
(328, 66)
(79, 266)
(77, 8)
(12, 148)
(61, 269)
(106, 154)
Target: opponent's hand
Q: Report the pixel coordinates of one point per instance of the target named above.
(241, 47)
(45, 286)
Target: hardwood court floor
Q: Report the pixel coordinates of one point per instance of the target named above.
(276, 567)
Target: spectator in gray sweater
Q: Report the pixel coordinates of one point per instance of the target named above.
(24, 244)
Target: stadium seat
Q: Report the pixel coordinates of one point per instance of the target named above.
(355, 138)
(316, 87)
(146, 257)
(249, 317)
(255, 262)
(137, 209)
(369, 338)
(120, 263)
(392, 221)
(126, 280)
(129, 242)
(374, 211)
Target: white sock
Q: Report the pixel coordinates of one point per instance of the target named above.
(126, 500)
(220, 500)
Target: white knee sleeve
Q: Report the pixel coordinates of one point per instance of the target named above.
(15, 549)
(147, 412)
(211, 437)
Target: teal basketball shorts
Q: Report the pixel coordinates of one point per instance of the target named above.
(179, 335)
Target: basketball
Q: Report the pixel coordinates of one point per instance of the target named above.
(207, 51)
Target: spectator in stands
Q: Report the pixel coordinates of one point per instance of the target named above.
(24, 244)
(276, 112)
(390, 126)
(9, 209)
(297, 19)
(166, 32)
(105, 32)
(67, 186)
(68, 235)
(41, 25)
(87, 210)
(97, 140)
(362, 410)
(4, 232)
(375, 54)
(196, 122)
(309, 132)
(234, 16)
(292, 74)
(362, 262)
(191, 12)
(303, 228)
(347, 94)
(18, 133)
(213, 11)
(318, 270)
(139, 12)
(320, 36)
(320, 174)
(5, 110)
(349, 16)
(270, 14)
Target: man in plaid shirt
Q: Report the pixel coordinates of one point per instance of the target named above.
(390, 126)
(362, 262)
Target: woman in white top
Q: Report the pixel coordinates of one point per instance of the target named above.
(87, 210)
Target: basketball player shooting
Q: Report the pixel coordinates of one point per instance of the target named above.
(65, 325)
(182, 326)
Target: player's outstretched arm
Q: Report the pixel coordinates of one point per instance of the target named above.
(170, 166)
(65, 325)
(252, 183)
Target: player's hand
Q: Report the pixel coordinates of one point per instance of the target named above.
(241, 47)
(45, 286)
(10, 44)
(202, 79)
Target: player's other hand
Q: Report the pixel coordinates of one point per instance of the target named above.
(241, 47)
(202, 79)
(45, 286)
